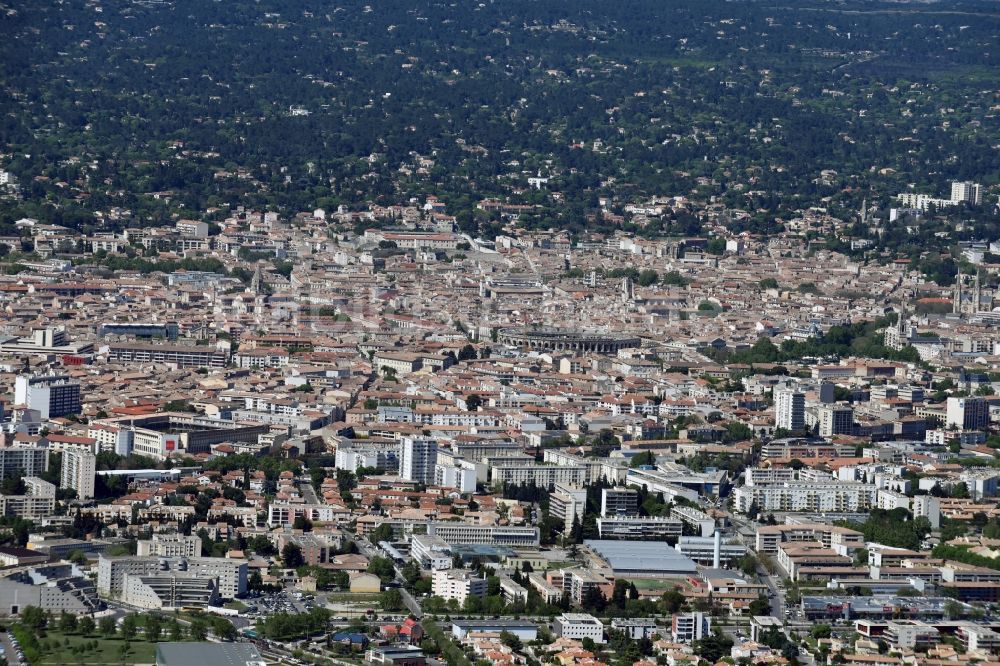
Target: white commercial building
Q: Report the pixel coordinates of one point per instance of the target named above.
(688, 627)
(579, 626)
(538, 474)
(967, 413)
(460, 477)
(494, 535)
(230, 574)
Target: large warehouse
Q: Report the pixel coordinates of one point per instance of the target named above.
(642, 559)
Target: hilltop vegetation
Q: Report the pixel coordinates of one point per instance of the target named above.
(177, 107)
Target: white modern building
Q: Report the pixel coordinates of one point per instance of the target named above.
(230, 574)
(51, 395)
(579, 626)
(169, 545)
(495, 535)
(457, 584)
(790, 410)
(79, 469)
(417, 460)
(688, 627)
(460, 477)
(619, 502)
(966, 192)
(431, 552)
(815, 496)
(835, 420)
(967, 413)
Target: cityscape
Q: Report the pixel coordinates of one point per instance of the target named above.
(500, 333)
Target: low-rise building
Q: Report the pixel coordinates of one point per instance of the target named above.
(579, 626)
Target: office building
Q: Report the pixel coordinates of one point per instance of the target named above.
(230, 574)
(526, 630)
(51, 587)
(579, 626)
(619, 502)
(538, 474)
(967, 413)
(835, 420)
(50, 395)
(492, 535)
(169, 591)
(701, 522)
(78, 471)
(790, 410)
(688, 627)
(417, 460)
(460, 477)
(180, 356)
(704, 550)
(638, 527)
(431, 552)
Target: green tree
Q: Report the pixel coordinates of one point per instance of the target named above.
(86, 625)
(154, 628)
(391, 600)
(383, 568)
(760, 606)
(176, 630)
(67, 622)
(821, 631)
(33, 617)
(291, 556)
(107, 626)
(382, 533)
(198, 630)
(129, 627)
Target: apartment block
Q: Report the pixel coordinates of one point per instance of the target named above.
(51, 395)
(79, 469)
(457, 584)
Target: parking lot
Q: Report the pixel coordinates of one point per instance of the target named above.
(268, 603)
(11, 650)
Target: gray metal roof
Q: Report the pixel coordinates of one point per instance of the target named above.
(201, 654)
(651, 557)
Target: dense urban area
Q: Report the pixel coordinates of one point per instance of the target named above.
(500, 333)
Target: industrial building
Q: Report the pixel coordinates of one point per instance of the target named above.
(642, 559)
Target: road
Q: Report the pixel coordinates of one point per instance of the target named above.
(412, 604)
(9, 653)
(308, 493)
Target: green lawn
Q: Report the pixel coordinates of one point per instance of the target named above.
(342, 597)
(109, 651)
